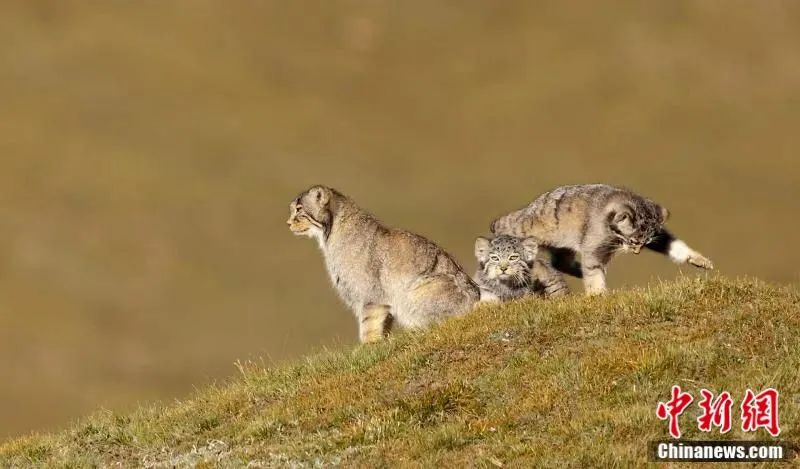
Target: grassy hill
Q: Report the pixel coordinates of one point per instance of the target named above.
(574, 381)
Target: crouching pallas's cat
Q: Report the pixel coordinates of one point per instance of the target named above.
(384, 275)
(595, 221)
(508, 269)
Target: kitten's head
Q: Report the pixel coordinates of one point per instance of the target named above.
(310, 213)
(506, 258)
(637, 223)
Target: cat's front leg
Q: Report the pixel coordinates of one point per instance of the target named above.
(594, 274)
(666, 243)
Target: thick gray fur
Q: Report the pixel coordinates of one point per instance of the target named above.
(508, 268)
(384, 275)
(595, 221)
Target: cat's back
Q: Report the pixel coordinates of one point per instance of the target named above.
(413, 254)
(558, 214)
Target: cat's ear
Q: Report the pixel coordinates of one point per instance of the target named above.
(664, 214)
(622, 216)
(530, 247)
(321, 195)
(482, 246)
(623, 220)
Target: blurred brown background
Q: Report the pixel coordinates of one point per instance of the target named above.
(149, 151)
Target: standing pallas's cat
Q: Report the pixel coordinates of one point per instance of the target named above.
(595, 221)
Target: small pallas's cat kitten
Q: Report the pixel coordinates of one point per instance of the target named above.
(508, 269)
(595, 221)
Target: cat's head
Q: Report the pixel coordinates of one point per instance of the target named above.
(310, 213)
(506, 258)
(637, 223)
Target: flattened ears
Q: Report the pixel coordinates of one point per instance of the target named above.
(482, 246)
(529, 249)
(320, 195)
(623, 220)
(664, 214)
(622, 216)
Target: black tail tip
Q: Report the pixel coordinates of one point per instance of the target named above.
(493, 226)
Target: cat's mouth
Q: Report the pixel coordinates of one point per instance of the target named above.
(634, 248)
(508, 279)
(299, 230)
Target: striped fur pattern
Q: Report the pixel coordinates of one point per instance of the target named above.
(385, 275)
(508, 269)
(595, 221)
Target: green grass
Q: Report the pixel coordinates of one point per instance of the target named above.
(572, 381)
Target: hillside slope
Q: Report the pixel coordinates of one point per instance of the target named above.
(574, 380)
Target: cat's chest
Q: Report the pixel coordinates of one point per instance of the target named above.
(502, 290)
(349, 280)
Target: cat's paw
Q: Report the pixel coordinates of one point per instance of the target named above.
(697, 260)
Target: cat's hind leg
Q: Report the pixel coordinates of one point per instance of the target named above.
(547, 281)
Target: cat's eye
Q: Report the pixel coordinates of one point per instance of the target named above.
(494, 258)
(513, 257)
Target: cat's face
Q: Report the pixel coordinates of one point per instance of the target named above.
(506, 258)
(637, 226)
(309, 213)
